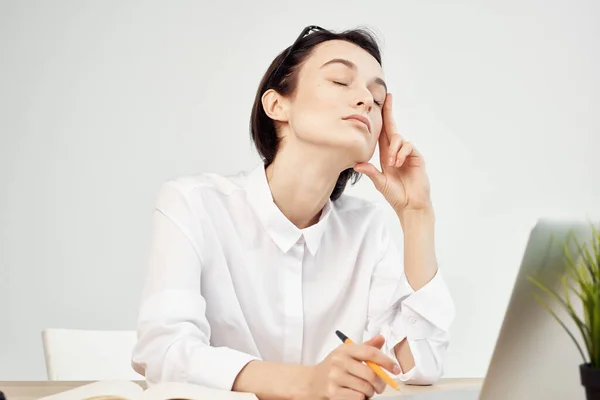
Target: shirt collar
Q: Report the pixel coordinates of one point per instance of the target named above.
(281, 230)
(314, 233)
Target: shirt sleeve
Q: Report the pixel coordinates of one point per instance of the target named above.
(398, 312)
(173, 332)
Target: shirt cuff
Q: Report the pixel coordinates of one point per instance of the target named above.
(407, 377)
(425, 312)
(217, 372)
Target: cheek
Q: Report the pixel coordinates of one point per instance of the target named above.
(315, 114)
(317, 109)
(323, 101)
(378, 124)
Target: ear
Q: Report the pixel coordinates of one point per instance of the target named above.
(275, 106)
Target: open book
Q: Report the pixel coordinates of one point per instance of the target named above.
(127, 390)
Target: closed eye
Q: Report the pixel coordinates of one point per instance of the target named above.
(379, 103)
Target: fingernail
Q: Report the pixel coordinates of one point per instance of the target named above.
(391, 161)
(396, 369)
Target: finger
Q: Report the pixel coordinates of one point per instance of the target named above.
(395, 145)
(372, 172)
(362, 352)
(362, 371)
(405, 151)
(384, 144)
(388, 118)
(346, 380)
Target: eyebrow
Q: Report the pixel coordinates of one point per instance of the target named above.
(353, 66)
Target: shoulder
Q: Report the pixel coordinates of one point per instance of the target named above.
(372, 215)
(371, 225)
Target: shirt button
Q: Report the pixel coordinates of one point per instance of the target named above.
(412, 320)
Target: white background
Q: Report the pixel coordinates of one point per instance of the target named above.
(102, 101)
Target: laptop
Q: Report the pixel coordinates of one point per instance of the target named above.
(533, 358)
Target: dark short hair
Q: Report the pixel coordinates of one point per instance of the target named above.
(282, 76)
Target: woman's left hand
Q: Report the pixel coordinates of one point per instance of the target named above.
(403, 180)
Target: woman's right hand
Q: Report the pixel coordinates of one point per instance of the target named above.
(343, 375)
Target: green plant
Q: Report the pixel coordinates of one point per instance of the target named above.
(582, 278)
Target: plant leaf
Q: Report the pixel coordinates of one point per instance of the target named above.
(586, 259)
(572, 312)
(594, 350)
(545, 305)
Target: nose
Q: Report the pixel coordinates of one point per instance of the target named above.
(365, 100)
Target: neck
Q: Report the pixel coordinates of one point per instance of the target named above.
(301, 188)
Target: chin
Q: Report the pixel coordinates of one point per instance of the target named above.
(358, 154)
(359, 148)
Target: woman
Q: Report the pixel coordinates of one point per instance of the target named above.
(251, 275)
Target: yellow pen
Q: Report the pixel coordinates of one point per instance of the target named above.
(376, 368)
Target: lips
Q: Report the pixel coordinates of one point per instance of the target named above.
(360, 118)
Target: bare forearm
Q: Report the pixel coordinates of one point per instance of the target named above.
(420, 263)
(273, 381)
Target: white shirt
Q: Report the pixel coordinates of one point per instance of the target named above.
(231, 280)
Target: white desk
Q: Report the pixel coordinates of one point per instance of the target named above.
(31, 390)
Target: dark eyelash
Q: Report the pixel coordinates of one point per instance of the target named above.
(344, 84)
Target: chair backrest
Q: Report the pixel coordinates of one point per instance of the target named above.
(88, 355)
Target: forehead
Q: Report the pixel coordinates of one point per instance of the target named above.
(323, 52)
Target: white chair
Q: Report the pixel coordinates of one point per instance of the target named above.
(87, 355)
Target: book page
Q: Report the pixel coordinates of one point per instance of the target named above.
(108, 389)
(187, 391)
